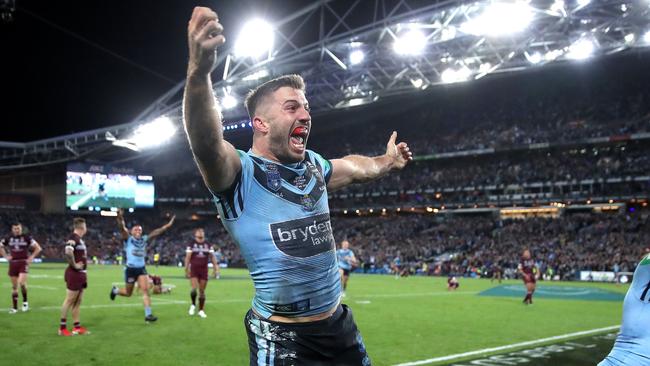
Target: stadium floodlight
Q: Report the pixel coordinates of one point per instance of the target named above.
(553, 54)
(356, 57)
(417, 83)
(451, 75)
(583, 3)
(534, 58)
(500, 19)
(581, 49)
(255, 39)
(411, 42)
(228, 101)
(646, 37)
(259, 74)
(448, 33)
(629, 38)
(153, 133)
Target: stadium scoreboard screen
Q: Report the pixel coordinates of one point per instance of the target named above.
(95, 187)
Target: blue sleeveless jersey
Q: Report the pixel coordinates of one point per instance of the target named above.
(279, 216)
(632, 346)
(344, 262)
(135, 251)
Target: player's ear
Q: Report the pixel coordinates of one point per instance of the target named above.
(260, 124)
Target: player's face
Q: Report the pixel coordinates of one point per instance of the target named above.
(199, 236)
(136, 231)
(289, 124)
(345, 244)
(526, 254)
(83, 229)
(16, 230)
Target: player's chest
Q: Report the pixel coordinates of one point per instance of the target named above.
(302, 186)
(200, 250)
(17, 244)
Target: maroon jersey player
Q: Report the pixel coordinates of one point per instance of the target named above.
(75, 278)
(18, 246)
(197, 256)
(528, 271)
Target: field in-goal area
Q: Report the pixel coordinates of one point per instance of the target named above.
(409, 321)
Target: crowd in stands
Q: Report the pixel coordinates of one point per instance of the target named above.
(473, 246)
(424, 244)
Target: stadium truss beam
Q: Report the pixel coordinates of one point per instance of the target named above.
(316, 42)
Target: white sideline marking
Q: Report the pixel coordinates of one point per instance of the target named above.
(509, 346)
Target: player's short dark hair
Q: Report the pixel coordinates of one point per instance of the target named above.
(16, 223)
(255, 96)
(78, 221)
(199, 228)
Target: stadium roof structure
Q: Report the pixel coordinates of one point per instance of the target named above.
(356, 52)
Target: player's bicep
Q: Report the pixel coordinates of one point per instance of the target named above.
(219, 170)
(343, 173)
(69, 248)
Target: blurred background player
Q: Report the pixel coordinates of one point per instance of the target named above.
(198, 253)
(156, 258)
(632, 346)
(135, 249)
(75, 278)
(155, 285)
(346, 261)
(497, 272)
(452, 283)
(18, 246)
(528, 270)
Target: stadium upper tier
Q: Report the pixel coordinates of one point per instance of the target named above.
(364, 52)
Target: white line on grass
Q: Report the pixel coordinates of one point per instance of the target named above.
(509, 346)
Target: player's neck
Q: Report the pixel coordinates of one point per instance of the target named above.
(78, 232)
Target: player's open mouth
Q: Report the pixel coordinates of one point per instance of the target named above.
(298, 138)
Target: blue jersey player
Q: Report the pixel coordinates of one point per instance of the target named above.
(345, 257)
(272, 199)
(632, 346)
(135, 251)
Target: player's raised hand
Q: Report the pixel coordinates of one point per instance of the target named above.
(399, 153)
(204, 36)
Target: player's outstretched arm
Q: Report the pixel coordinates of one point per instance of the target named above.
(121, 226)
(216, 158)
(359, 169)
(162, 229)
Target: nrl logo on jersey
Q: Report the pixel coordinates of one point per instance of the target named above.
(273, 178)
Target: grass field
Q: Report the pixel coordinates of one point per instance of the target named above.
(401, 320)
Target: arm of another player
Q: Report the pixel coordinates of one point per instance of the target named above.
(121, 226)
(188, 256)
(37, 250)
(216, 158)
(162, 229)
(69, 255)
(360, 169)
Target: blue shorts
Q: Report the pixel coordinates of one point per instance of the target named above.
(332, 341)
(131, 274)
(624, 358)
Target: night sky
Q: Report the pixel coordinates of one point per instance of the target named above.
(54, 83)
